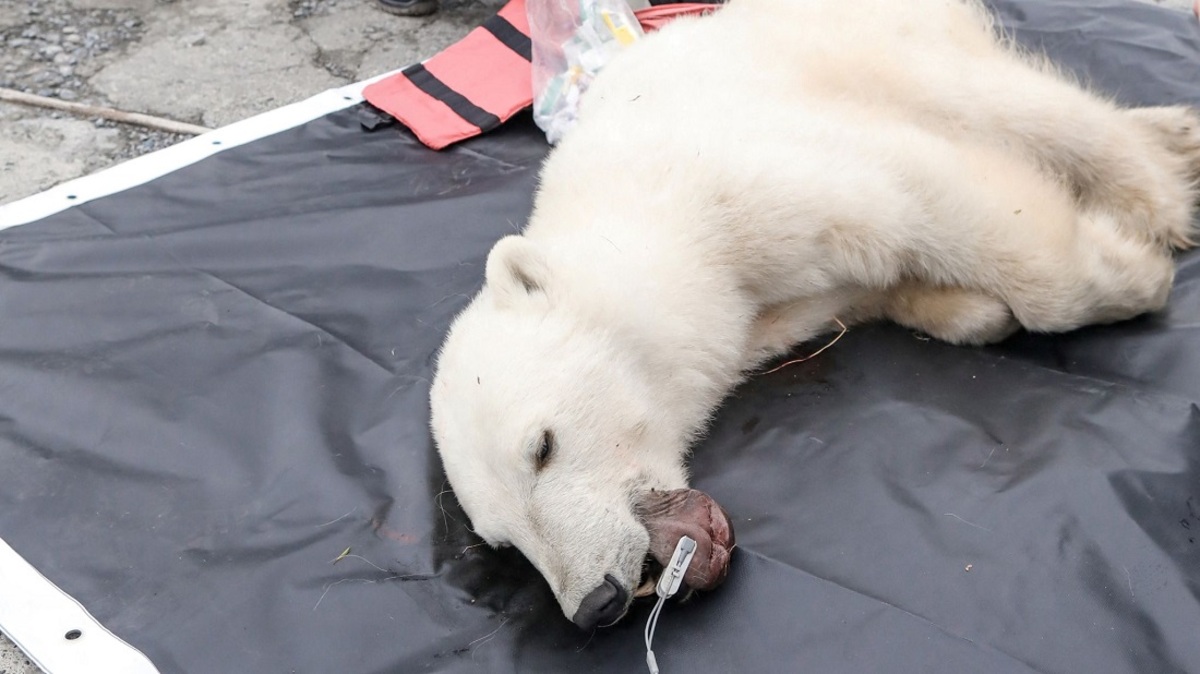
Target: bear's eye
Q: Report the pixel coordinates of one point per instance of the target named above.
(545, 448)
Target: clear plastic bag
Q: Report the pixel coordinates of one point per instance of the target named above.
(572, 42)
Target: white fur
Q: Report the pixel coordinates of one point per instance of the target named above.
(737, 182)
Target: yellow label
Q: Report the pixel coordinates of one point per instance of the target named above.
(622, 33)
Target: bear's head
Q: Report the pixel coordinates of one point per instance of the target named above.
(555, 440)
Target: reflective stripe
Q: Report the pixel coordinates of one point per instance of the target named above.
(425, 81)
(508, 34)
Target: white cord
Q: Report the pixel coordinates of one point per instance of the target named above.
(651, 624)
(668, 584)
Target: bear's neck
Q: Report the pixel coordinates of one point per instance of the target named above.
(669, 299)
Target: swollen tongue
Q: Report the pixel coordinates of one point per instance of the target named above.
(668, 515)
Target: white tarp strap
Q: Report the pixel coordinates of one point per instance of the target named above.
(54, 630)
(148, 167)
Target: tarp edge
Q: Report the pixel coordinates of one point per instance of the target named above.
(156, 164)
(54, 630)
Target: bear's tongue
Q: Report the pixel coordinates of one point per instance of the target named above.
(668, 515)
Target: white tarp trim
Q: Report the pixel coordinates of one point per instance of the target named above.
(55, 632)
(148, 167)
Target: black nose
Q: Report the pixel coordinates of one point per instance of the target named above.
(602, 606)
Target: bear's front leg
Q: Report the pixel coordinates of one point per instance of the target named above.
(779, 328)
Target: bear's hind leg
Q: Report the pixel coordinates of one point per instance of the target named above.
(954, 315)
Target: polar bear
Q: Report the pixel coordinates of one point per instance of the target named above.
(742, 182)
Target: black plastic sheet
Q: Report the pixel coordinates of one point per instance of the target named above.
(215, 383)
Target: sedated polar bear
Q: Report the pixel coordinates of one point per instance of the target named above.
(737, 184)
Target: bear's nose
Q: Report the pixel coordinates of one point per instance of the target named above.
(602, 606)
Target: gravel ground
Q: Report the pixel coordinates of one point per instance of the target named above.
(51, 48)
(13, 661)
(209, 63)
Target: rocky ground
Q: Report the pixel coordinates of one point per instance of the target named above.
(209, 63)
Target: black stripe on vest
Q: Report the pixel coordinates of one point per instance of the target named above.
(425, 81)
(508, 34)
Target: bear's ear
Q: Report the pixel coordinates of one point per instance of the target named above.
(516, 269)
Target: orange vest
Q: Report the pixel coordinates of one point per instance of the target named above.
(479, 82)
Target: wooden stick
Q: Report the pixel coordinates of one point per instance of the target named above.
(14, 96)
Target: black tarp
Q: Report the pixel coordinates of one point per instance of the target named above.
(213, 384)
